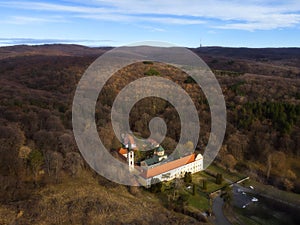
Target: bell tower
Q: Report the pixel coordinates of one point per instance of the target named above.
(130, 160)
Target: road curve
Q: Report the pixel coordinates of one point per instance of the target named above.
(220, 219)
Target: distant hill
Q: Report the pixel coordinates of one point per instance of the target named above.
(266, 61)
(79, 50)
(50, 50)
(251, 53)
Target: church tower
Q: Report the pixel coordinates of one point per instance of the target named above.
(130, 160)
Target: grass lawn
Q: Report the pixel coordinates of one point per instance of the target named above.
(211, 182)
(199, 201)
(226, 174)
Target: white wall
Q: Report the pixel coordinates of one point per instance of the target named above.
(179, 172)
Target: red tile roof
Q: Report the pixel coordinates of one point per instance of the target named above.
(123, 151)
(162, 168)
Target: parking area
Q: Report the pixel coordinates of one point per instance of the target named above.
(243, 197)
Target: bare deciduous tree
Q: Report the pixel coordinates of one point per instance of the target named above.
(73, 163)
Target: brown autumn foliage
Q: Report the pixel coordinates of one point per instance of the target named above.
(37, 84)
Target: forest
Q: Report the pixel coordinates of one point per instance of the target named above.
(38, 149)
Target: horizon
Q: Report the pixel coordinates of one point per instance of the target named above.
(95, 23)
(111, 46)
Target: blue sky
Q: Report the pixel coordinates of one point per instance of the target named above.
(249, 23)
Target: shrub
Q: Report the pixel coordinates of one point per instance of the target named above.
(187, 177)
(148, 62)
(204, 184)
(152, 72)
(219, 178)
(189, 80)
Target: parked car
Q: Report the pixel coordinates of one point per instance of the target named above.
(254, 199)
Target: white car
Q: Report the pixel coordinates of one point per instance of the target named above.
(251, 187)
(254, 199)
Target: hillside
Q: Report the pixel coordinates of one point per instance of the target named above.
(43, 177)
(50, 50)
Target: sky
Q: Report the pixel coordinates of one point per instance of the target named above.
(188, 23)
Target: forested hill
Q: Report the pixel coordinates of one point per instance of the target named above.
(252, 53)
(50, 50)
(38, 152)
(256, 54)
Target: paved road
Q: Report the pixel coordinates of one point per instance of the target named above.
(239, 199)
(220, 219)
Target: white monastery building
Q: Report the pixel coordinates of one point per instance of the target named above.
(164, 170)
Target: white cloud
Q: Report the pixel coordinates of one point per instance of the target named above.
(32, 41)
(21, 20)
(151, 28)
(217, 9)
(251, 14)
(53, 7)
(232, 14)
(170, 20)
(132, 18)
(269, 22)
